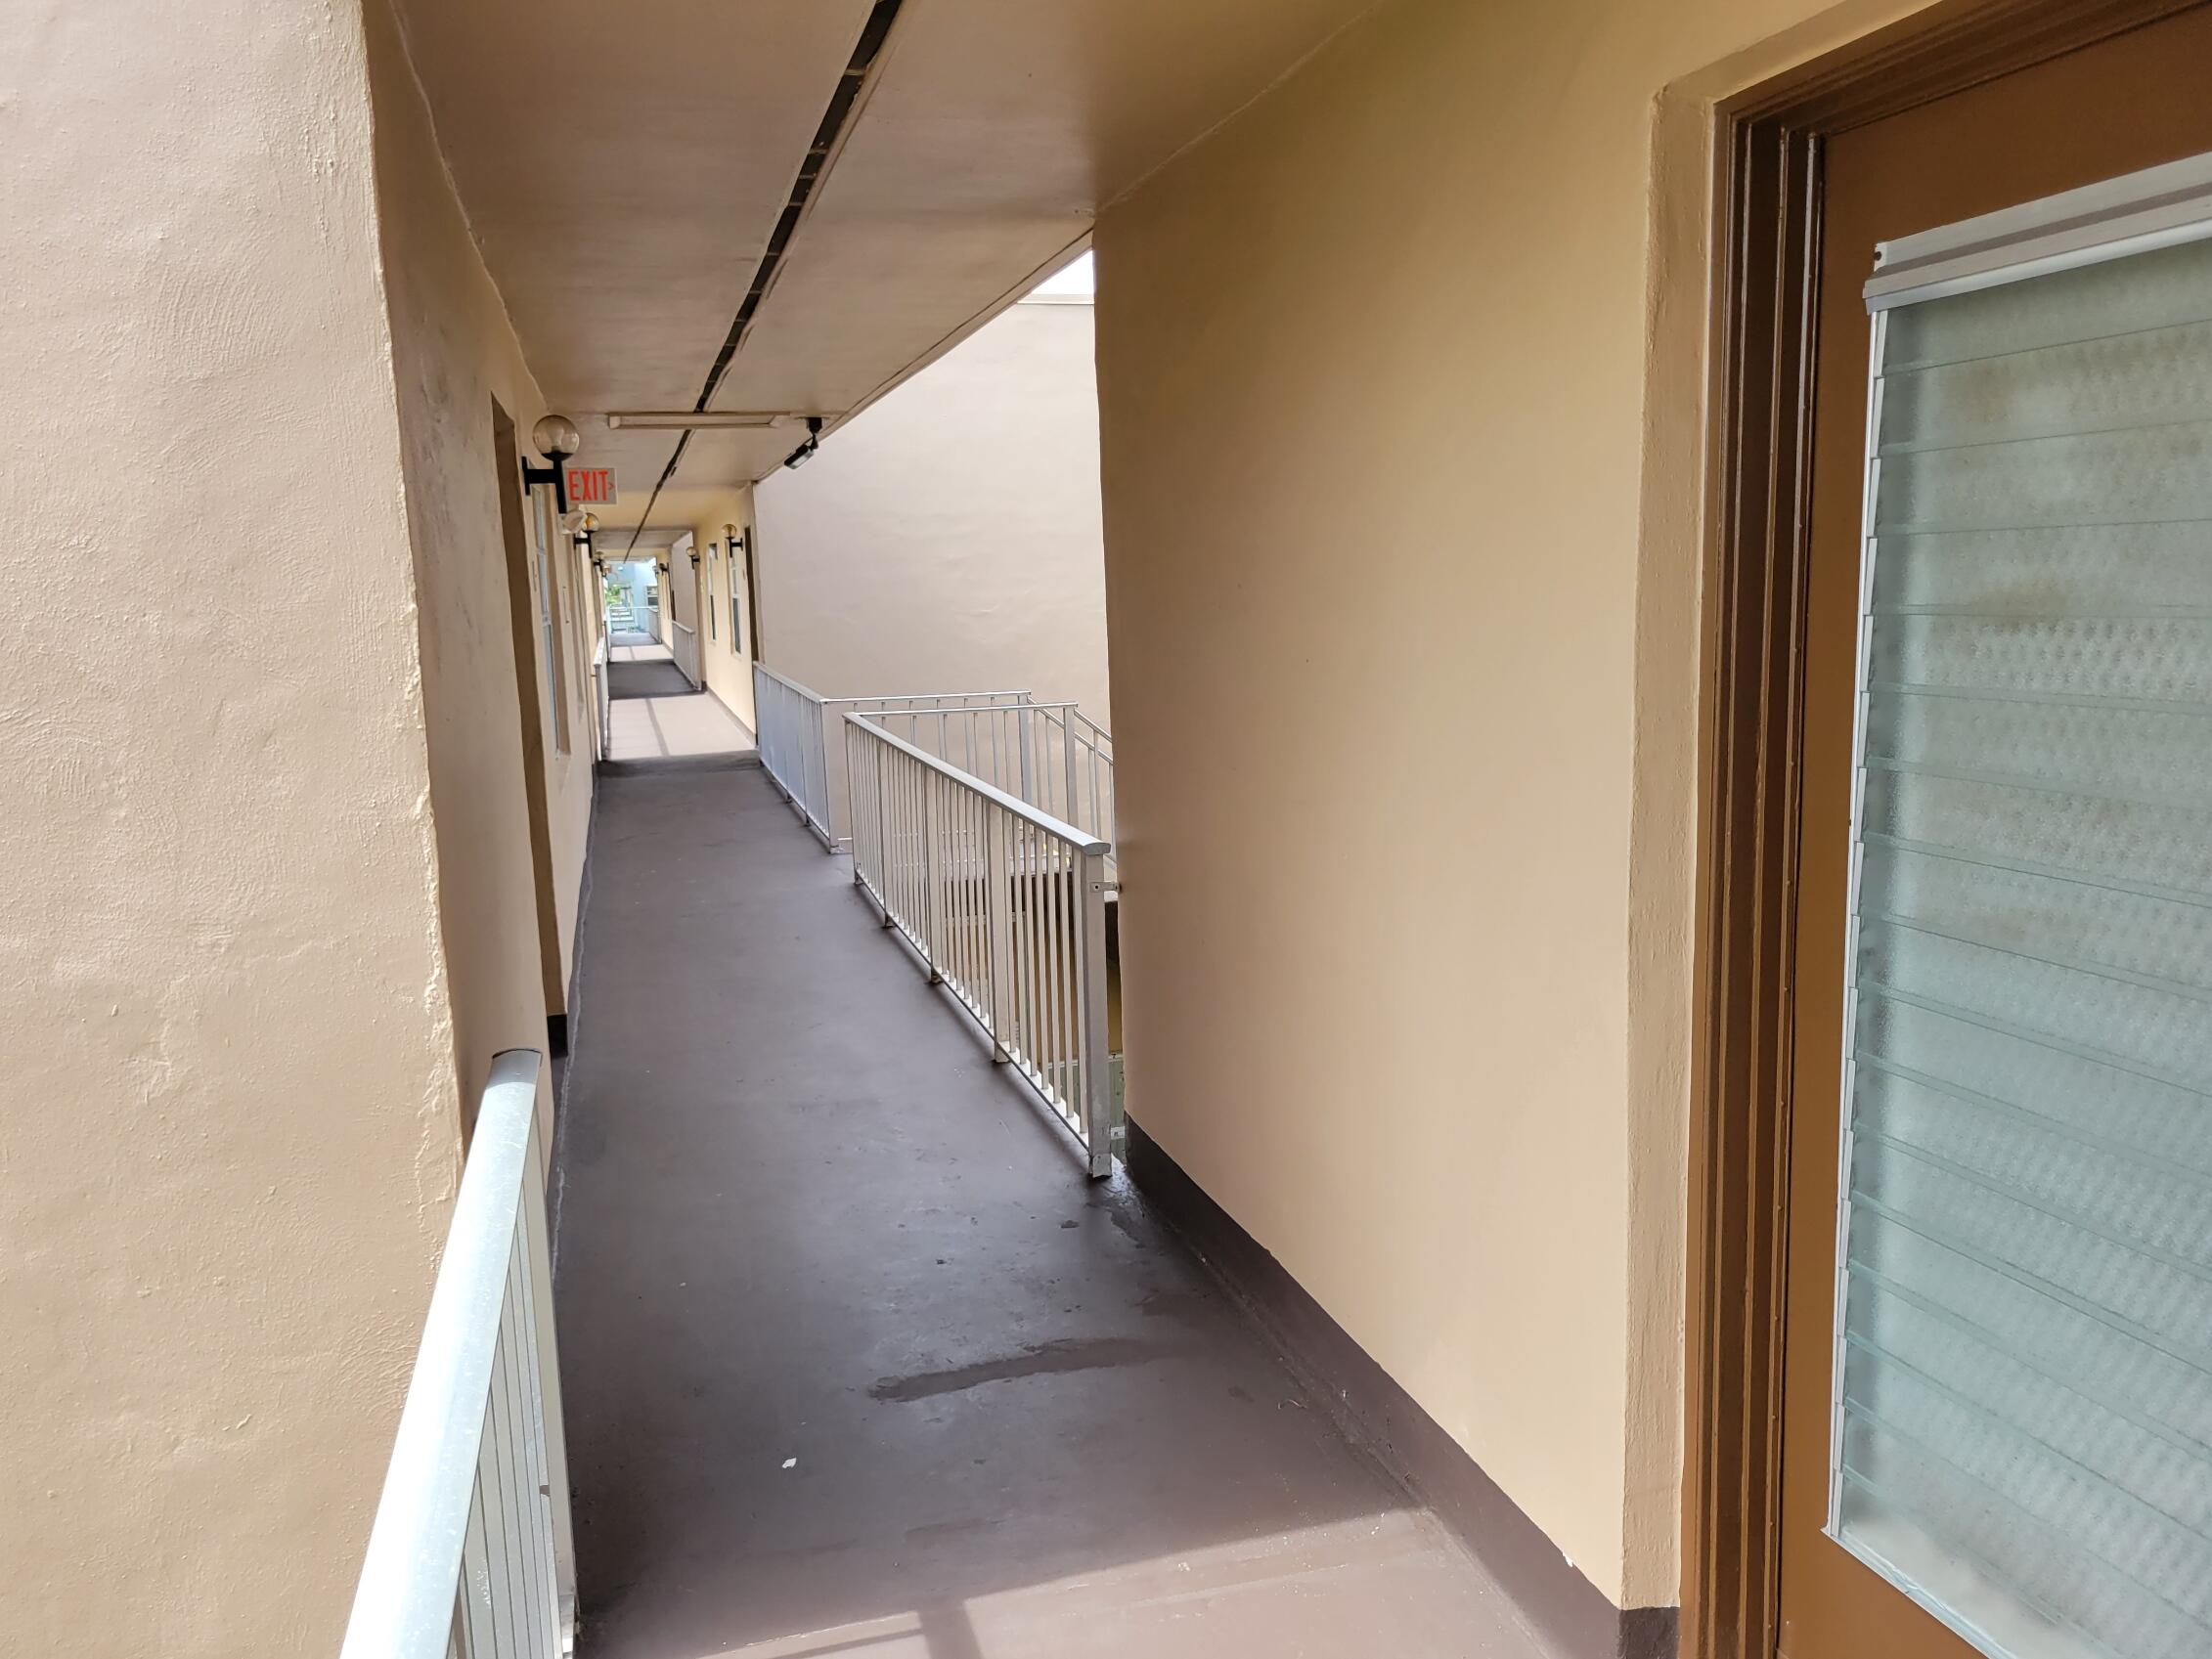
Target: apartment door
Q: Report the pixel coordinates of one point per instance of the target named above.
(1997, 1396)
(539, 691)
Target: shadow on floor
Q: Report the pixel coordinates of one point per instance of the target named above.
(646, 679)
(857, 1363)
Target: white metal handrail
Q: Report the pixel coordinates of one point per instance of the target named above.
(835, 709)
(683, 646)
(471, 1553)
(1006, 905)
(604, 696)
(1052, 756)
(789, 731)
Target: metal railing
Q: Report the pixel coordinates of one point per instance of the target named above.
(789, 731)
(602, 692)
(1006, 905)
(683, 646)
(471, 1553)
(1052, 756)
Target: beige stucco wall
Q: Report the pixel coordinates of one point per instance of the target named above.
(948, 537)
(728, 661)
(454, 353)
(231, 1118)
(1401, 455)
(704, 512)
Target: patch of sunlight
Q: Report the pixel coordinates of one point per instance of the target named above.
(1391, 1582)
(902, 1635)
(643, 728)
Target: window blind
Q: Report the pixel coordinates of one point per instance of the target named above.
(2022, 1418)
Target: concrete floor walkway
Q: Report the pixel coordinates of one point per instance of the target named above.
(655, 713)
(855, 1362)
(627, 680)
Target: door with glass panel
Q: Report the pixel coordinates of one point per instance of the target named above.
(1997, 1430)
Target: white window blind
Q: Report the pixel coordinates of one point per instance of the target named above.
(2023, 1429)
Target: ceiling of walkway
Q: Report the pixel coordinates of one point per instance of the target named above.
(624, 169)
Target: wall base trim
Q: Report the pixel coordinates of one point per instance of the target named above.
(1568, 1614)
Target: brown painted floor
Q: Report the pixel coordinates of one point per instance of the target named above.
(857, 1365)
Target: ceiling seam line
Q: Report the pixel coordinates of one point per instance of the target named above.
(837, 118)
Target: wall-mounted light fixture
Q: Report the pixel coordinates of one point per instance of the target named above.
(806, 451)
(557, 439)
(587, 527)
(737, 541)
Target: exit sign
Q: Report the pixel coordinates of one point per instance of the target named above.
(591, 486)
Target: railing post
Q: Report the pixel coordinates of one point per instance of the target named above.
(827, 827)
(808, 791)
(883, 835)
(931, 899)
(998, 923)
(1024, 718)
(851, 795)
(1098, 1064)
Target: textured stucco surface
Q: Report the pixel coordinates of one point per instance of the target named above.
(230, 1134)
(452, 354)
(729, 659)
(1402, 453)
(947, 539)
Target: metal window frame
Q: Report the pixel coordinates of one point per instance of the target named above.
(2135, 213)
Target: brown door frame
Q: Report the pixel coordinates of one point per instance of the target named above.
(1768, 147)
(515, 534)
(751, 535)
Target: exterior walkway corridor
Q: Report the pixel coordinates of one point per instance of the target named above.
(855, 1361)
(655, 713)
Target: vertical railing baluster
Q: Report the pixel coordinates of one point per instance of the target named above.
(1058, 975)
(998, 901)
(851, 795)
(537, 1307)
(1097, 1061)
(1049, 1036)
(933, 948)
(1025, 950)
(1003, 905)
(1068, 760)
(883, 836)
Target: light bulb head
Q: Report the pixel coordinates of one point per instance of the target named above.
(555, 435)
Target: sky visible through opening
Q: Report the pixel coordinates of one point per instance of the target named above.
(1073, 278)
